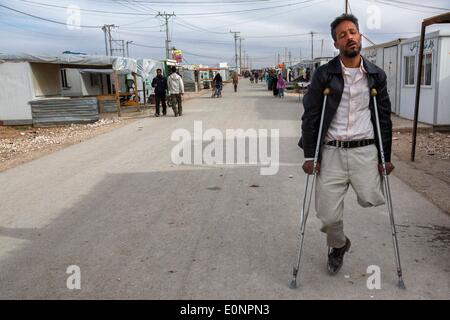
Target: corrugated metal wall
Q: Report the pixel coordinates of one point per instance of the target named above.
(64, 111)
(108, 106)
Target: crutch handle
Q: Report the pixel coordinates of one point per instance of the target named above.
(373, 92)
(326, 91)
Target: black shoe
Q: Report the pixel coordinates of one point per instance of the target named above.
(156, 114)
(336, 257)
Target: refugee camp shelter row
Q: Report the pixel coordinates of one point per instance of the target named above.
(34, 87)
(399, 59)
(99, 82)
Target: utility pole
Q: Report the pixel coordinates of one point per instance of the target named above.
(321, 49)
(285, 55)
(128, 49)
(312, 45)
(235, 49)
(108, 39)
(240, 54)
(122, 44)
(290, 59)
(112, 46)
(166, 17)
(346, 6)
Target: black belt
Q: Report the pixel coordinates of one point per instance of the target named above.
(350, 144)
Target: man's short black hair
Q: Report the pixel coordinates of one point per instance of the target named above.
(173, 69)
(158, 70)
(341, 18)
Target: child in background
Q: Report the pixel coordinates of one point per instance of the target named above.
(281, 85)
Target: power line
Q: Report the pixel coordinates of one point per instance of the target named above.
(399, 5)
(146, 46)
(184, 51)
(52, 35)
(141, 6)
(48, 20)
(215, 3)
(281, 35)
(245, 10)
(202, 56)
(414, 4)
(124, 27)
(273, 13)
(137, 22)
(200, 28)
(84, 10)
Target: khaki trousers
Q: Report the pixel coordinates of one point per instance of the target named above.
(175, 99)
(339, 168)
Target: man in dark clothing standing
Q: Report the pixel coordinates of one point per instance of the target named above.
(160, 84)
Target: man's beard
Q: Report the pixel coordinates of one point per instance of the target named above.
(351, 53)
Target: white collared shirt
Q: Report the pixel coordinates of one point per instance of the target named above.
(352, 118)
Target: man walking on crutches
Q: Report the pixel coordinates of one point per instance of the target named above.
(346, 139)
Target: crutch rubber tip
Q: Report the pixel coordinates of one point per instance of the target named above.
(293, 284)
(373, 92)
(401, 284)
(326, 91)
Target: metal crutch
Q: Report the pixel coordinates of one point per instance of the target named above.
(307, 196)
(387, 192)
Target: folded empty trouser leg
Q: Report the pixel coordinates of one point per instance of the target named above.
(339, 168)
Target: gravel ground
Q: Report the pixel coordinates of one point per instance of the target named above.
(429, 174)
(23, 143)
(432, 152)
(433, 145)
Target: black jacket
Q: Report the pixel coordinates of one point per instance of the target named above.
(160, 85)
(218, 78)
(330, 75)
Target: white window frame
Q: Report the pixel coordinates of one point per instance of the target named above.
(406, 73)
(425, 53)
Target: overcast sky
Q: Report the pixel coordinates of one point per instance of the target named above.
(201, 28)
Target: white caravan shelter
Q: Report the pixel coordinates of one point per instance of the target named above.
(27, 77)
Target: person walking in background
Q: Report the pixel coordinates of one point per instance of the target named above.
(235, 81)
(274, 82)
(217, 85)
(176, 89)
(281, 85)
(160, 84)
(269, 80)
